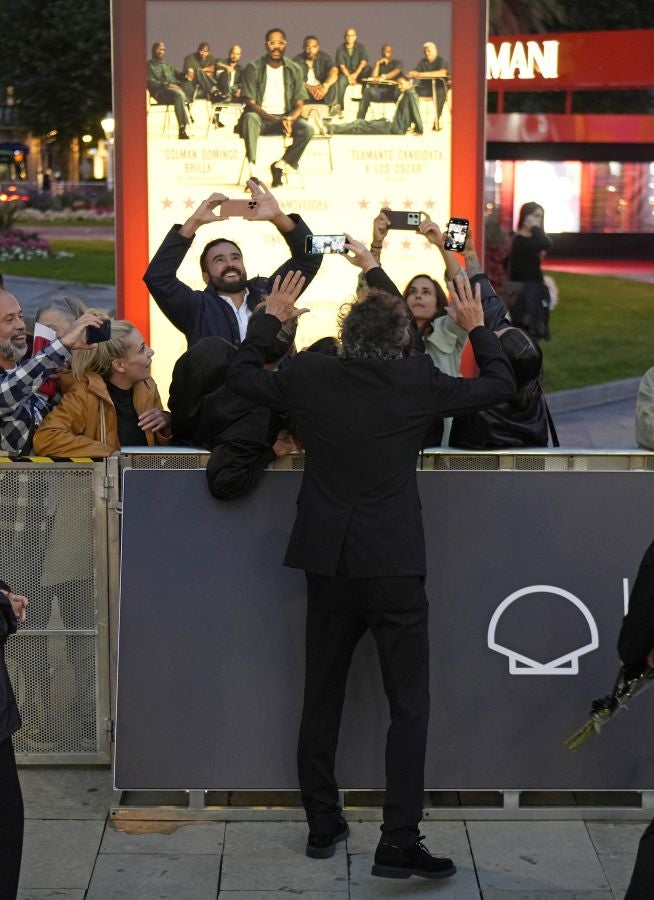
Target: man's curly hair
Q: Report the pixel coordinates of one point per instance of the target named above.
(374, 327)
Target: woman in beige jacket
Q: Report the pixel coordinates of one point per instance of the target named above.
(112, 402)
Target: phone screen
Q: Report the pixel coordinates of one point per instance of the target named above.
(457, 231)
(325, 243)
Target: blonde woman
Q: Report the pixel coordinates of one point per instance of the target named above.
(112, 402)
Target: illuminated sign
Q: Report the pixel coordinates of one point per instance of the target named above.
(522, 59)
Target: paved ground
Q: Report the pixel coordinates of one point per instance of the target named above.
(72, 852)
(31, 292)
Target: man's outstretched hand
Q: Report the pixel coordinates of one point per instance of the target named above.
(281, 300)
(203, 215)
(267, 207)
(466, 309)
(359, 255)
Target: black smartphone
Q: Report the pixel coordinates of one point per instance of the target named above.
(98, 335)
(325, 243)
(408, 221)
(457, 231)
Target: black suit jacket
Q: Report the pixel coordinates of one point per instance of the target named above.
(362, 423)
(637, 632)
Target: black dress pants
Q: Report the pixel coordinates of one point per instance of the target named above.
(339, 612)
(11, 822)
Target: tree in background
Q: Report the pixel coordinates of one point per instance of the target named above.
(57, 57)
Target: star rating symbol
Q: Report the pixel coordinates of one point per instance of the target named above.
(406, 245)
(386, 204)
(363, 204)
(430, 204)
(189, 203)
(167, 204)
(408, 204)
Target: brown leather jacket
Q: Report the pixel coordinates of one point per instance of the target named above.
(74, 427)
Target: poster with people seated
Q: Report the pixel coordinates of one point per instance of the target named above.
(339, 109)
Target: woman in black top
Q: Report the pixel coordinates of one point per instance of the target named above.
(532, 305)
(12, 611)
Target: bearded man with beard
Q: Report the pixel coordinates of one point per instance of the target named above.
(225, 305)
(22, 407)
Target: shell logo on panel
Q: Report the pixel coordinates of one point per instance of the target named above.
(519, 663)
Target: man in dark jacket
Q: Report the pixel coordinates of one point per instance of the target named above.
(12, 611)
(243, 437)
(224, 307)
(358, 534)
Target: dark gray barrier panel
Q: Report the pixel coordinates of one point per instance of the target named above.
(211, 635)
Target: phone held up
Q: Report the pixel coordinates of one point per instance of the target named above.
(455, 237)
(325, 243)
(407, 221)
(99, 334)
(237, 207)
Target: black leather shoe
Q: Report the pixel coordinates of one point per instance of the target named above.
(183, 136)
(392, 861)
(322, 846)
(278, 175)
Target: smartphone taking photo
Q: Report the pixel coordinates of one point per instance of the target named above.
(99, 334)
(457, 232)
(317, 244)
(237, 207)
(407, 221)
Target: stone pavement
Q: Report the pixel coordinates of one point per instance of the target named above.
(74, 852)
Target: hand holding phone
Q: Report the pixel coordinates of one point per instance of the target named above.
(98, 334)
(455, 237)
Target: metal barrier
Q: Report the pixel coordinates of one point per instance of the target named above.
(626, 801)
(60, 545)
(53, 546)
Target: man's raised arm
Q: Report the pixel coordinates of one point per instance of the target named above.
(174, 298)
(292, 228)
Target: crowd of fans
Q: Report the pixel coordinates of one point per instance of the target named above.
(73, 397)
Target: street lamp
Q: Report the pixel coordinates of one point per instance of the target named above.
(108, 126)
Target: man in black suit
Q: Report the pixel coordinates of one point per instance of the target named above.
(362, 418)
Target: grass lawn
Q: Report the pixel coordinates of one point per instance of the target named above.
(93, 263)
(602, 330)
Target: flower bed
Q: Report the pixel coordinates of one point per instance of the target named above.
(31, 216)
(19, 245)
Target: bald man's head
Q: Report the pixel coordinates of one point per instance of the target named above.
(13, 341)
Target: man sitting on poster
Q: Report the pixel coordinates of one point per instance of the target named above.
(385, 69)
(224, 307)
(274, 92)
(436, 66)
(170, 87)
(320, 73)
(203, 65)
(352, 61)
(407, 116)
(229, 74)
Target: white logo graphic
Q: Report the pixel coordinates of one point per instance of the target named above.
(523, 665)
